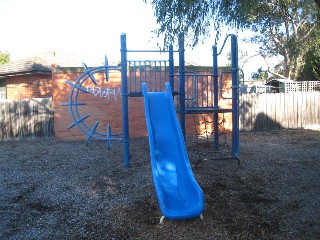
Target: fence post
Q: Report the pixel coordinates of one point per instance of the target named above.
(124, 102)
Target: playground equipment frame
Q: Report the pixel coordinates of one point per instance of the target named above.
(179, 91)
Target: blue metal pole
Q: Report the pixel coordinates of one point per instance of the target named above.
(182, 86)
(235, 97)
(124, 94)
(215, 97)
(171, 67)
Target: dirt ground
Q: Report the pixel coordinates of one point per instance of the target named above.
(66, 190)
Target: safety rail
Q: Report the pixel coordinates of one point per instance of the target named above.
(152, 72)
(199, 90)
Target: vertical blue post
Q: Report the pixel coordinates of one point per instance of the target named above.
(215, 97)
(171, 67)
(124, 94)
(182, 94)
(235, 97)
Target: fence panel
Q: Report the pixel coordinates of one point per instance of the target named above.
(33, 118)
(279, 110)
(26, 118)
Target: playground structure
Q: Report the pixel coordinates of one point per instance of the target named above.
(166, 94)
(195, 93)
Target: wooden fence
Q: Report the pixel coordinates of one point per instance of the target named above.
(279, 110)
(26, 118)
(33, 118)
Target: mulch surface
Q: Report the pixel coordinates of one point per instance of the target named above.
(67, 190)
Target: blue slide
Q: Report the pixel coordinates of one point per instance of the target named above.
(178, 192)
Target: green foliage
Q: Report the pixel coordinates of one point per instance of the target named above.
(282, 27)
(196, 18)
(260, 74)
(4, 58)
(311, 67)
(286, 28)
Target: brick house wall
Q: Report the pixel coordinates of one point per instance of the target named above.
(29, 86)
(103, 103)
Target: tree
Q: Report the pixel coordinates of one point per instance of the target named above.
(195, 17)
(4, 58)
(311, 67)
(260, 74)
(282, 27)
(287, 28)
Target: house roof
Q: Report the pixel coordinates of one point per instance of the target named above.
(63, 58)
(25, 66)
(42, 63)
(282, 80)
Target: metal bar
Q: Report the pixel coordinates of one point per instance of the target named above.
(195, 89)
(75, 111)
(160, 75)
(93, 79)
(145, 72)
(73, 104)
(92, 132)
(124, 94)
(171, 67)
(140, 60)
(140, 73)
(207, 89)
(150, 76)
(155, 75)
(192, 75)
(182, 86)
(106, 66)
(134, 76)
(78, 121)
(109, 144)
(215, 98)
(165, 72)
(235, 97)
(130, 80)
(158, 51)
(225, 40)
(77, 87)
(221, 83)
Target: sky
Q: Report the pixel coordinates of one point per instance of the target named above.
(92, 29)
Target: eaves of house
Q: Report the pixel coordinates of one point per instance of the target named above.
(26, 66)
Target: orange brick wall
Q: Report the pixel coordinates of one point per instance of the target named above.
(29, 86)
(102, 107)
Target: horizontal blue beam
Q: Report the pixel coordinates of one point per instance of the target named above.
(157, 51)
(73, 104)
(78, 121)
(77, 87)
